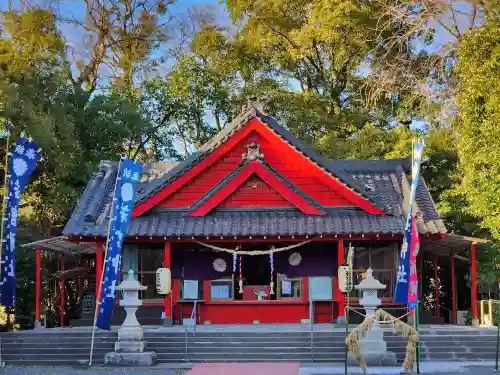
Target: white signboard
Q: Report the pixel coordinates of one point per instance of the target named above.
(286, 288)
(190, 290)
(219, 292)
(321, 288)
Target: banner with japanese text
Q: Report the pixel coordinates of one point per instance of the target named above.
(403, 272)
(126, 183)
(414, 249)
(22, 164)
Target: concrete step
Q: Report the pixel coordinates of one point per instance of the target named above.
(203, 357)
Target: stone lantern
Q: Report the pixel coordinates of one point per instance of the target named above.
(130, 347)
(372, 345)
(369, 288)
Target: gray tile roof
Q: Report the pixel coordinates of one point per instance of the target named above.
(379, 181)
(282, 222)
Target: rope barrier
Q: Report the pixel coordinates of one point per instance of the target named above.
(367, 324)
(379, 321)
(254, 252)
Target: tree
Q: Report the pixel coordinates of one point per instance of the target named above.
(479, 123)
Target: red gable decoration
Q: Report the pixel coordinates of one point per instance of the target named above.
(215, 179)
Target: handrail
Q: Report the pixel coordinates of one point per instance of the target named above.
(311, 324)
(490, 311)
(192, 318)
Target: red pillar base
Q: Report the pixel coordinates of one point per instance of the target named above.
(340, 296)
(168, 320)
(475, 320)
(38, 323)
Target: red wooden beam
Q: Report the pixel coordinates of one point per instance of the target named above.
(340, 261)
(436, 284)
(168, 297)
(473, 281)
(272, 137)
(453, 289)
(255, 167)
(61, 294)
(37, 286)
(98, 271)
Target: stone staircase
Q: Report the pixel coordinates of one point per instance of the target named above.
(54, 347)
(72, 346)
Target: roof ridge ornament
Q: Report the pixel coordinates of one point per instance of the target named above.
(253, 153)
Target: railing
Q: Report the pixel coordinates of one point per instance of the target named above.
(482, 317)
(192, 320)
(311, 324)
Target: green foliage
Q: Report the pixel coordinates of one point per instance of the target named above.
(479, 124)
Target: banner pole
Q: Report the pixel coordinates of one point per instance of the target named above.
(346, 318)
(5, 198)
(498, 338)
(111, 212)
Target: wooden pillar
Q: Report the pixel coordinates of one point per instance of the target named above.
(61, 294)
(436, 284)
(37, 288)
(474, 284)
(98, 271)
(167, 321)
(175, 299)
(340, 260)
(453, 290)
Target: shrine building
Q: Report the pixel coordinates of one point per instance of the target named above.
(255, 187)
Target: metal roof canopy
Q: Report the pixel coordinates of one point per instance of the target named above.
(61, 244)
(451, 244)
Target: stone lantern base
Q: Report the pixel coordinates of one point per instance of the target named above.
(374, 359)
(374, 349)
(130, 359)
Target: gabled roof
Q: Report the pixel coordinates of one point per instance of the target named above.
(145, 192)
(380, 181)
(245, 170)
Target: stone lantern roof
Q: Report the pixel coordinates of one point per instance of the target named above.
(370, 283)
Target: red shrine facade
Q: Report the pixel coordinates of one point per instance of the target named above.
(290, 214)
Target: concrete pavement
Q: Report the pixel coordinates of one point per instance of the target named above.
(435, 368)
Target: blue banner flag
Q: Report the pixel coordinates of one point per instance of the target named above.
(403, 271)
(22, 164)
(126, 183)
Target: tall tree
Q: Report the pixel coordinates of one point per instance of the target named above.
(479, 123)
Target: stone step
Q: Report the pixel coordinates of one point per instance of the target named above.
(202, 357)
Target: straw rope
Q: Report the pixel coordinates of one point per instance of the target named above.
(255, 252)
(376, 320)
(352, 340)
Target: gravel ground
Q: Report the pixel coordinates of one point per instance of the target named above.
(62, 370)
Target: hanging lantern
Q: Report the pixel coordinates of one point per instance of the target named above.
(241, 274)
(271, 260)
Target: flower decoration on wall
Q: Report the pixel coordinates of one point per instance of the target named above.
(220, 265)
(294, 259)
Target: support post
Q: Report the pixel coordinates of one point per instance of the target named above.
(475, 321)
(98, 271)
(436, 284)
(340, 261)
(61, 294)
(453, 290)
(167, 321)
(38, 323)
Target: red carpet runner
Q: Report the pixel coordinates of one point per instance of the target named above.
(245, 369)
